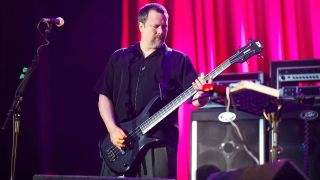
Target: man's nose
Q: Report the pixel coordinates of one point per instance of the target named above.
(160, 30)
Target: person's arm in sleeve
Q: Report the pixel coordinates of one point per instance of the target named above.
(117, 135)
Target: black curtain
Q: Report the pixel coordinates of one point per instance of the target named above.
(60, 124)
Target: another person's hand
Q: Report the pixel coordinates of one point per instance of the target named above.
(117, 137)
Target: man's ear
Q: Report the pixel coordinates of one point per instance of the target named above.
(141, 26)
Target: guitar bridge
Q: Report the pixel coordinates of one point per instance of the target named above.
(111, 155)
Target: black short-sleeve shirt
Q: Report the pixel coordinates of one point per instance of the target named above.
(131, 81)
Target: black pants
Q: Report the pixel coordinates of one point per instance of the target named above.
(159, 162)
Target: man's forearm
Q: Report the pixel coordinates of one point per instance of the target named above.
(106, 112)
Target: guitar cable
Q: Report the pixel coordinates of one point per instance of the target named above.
(237, 129)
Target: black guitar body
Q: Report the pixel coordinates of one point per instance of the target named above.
(126, 160)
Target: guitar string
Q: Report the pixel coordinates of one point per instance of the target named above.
(134, 133)
(137, 130)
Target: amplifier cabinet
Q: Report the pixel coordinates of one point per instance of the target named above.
(299, 139)
(216, 146)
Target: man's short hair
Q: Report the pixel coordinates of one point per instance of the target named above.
(144, 11)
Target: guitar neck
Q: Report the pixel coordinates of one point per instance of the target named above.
(175, 103)
(241, 55)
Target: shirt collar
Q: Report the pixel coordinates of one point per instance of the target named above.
(135, 48)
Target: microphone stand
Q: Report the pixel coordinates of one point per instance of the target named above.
(14, 112)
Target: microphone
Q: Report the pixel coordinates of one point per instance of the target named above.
(56, 21)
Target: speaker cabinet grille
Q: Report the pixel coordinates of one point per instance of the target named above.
(300, 139)
(216, 146)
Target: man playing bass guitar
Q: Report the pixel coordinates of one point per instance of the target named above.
(132, 78)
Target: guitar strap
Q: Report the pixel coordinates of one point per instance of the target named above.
(166, 57)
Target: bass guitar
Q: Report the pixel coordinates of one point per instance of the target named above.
(123, 161)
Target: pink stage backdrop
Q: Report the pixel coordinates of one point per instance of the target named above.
(209, 31)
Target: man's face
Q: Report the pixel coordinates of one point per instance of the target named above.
(154, 30)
